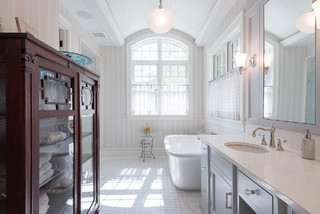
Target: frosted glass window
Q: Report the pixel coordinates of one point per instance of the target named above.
(234, 48)
(220, 64)
(159, 85)
(173, 52)
(146, 52)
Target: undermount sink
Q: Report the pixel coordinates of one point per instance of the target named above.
(246, 147)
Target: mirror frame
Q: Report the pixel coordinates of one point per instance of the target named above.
(287, 125)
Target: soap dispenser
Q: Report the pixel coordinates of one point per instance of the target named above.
(308, 147)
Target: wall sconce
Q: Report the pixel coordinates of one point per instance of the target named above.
(267, 62)
(241, 59)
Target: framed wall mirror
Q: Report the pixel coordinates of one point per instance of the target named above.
(289, 68)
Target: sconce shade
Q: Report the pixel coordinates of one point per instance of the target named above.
(240, 60)
(160, 20)
(316, 8)
(267, 60)
(306, 23)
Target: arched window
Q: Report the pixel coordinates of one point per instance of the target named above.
(159, 77)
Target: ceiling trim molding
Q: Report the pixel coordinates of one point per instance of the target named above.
(106, 20)
(218, 13)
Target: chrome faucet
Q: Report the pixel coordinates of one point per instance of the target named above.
(272, 130)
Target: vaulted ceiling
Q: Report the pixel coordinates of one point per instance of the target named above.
(114, 20)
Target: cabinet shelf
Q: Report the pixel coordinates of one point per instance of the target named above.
(52, 147)
(86, 134)
(57, 176)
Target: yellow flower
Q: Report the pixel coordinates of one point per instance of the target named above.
(147, 130)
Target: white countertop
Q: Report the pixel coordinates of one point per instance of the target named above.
(296, 178)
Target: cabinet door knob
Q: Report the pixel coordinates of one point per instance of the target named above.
(249, 192)
(227, 201)
(203, 167)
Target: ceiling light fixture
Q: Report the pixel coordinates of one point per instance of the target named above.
(160, 20)
(306, 23)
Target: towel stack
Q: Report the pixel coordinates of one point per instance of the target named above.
(52, 137)
(45, 167)
(43, 203)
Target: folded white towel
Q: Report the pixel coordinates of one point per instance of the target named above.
(45, 168)
(43, 209)
(43, 199)
(43, 158)
(52, 137)
(46, 176)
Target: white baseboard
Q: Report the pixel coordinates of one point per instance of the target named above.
(131, 152)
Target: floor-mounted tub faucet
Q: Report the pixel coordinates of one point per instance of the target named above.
(272, 130)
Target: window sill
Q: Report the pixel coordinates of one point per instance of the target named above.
(159, 117)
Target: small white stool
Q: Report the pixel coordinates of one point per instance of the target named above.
(146, 143)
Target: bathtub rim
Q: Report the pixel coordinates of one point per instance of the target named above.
(176, 154)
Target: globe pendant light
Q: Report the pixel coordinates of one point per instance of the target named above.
(160, 20)
(306, 23)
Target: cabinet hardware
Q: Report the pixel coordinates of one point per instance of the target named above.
(203, 167)
(249, 192)
(227, 203)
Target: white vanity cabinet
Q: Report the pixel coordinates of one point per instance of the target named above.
(220, 193)
(204, 201)
(221, 184)
(228, 188)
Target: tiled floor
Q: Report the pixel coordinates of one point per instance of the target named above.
(130, 186)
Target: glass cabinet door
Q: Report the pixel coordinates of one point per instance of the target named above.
(87, 161)
(2, 139)
(56, 165)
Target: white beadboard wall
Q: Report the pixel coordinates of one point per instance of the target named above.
(117, 132)
(42, 15)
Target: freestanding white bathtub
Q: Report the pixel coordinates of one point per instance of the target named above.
(184, 157)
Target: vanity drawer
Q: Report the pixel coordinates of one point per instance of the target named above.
(204, 168)
(204, 149)
(221, 163)
(254, 195)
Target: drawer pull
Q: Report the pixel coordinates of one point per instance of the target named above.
(249, 192)
(203, 167)
(227, 201)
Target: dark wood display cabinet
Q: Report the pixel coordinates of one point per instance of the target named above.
(49, 130)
